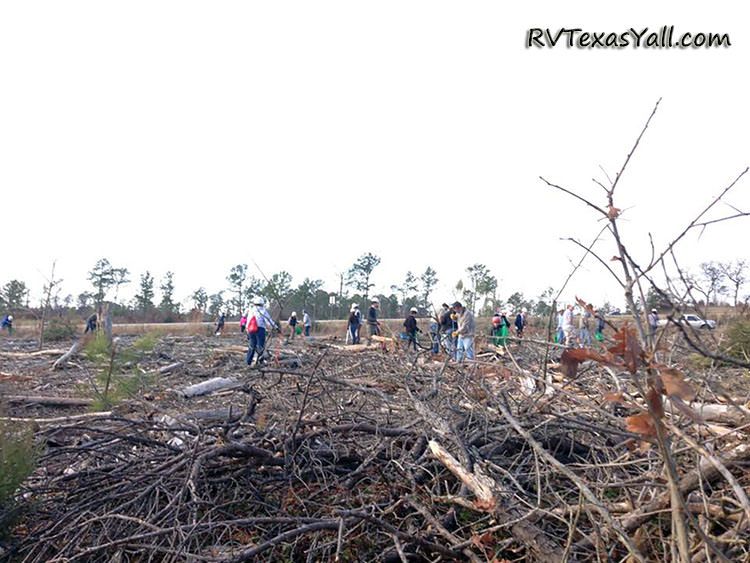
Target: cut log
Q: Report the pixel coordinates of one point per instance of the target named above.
(48, 401)
(209, 386)
(77, 346)
(480, 485)
(22, 355)
(170, 368)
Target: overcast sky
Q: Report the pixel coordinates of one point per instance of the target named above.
(192, 136)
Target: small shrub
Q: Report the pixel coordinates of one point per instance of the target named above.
(145, 343)
(738, 339)
(59, 329)
(17, 458)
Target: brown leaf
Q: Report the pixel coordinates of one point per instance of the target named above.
(488, 505)
(569, 363)
(675, 384)
(614, 212)
(641, 424)
(654, 402)
(615, 258)
(628, 347)
(583, 354)
(614, 397)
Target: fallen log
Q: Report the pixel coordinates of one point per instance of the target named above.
(170, 368)
(74, 349)
(22, 355)
(209, 386)
(57, 419)
(48, 401)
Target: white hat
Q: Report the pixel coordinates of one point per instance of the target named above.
(294, 313)
(654, 311)
(259, 301)
(413, 310)
(10, 317)
(374, 300)
(523, 310)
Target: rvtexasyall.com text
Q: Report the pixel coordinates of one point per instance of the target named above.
(664, 38)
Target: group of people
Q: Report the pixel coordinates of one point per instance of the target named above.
(571, 333)
(354, 322)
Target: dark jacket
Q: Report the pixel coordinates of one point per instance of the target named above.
(410, 324)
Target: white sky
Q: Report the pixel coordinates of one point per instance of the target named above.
(193, 136)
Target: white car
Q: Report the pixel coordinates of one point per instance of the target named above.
(693, 320)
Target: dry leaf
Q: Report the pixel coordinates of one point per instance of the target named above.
(615, 258)
(569, 363)
(614, 212)
(614, 398)
(641, 424)
(675, 384)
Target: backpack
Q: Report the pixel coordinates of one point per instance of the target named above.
(252, 325)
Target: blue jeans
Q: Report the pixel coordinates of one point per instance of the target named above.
(307, 330)
(256, 343)
(354, 332)
(465, 348)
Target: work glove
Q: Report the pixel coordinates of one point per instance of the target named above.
(454, 334)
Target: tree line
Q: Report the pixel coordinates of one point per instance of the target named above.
(714, 283)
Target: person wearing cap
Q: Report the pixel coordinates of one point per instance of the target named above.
(410, 324)
(8, 323)
(292, 322)
(653, 322)
(464, 332)
(373, 324)
(355, 320)
(306, 322)
(257, 339)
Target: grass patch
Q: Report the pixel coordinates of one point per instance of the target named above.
(117, 375)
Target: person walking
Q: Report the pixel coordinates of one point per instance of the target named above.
(306, 322)
(520, 323)
(410, 324)
(464, 333)
(559, 332)
(258, 324)
(243, 322)
(219, 324)
(353, 326)
(373, 324)
(292, 322)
